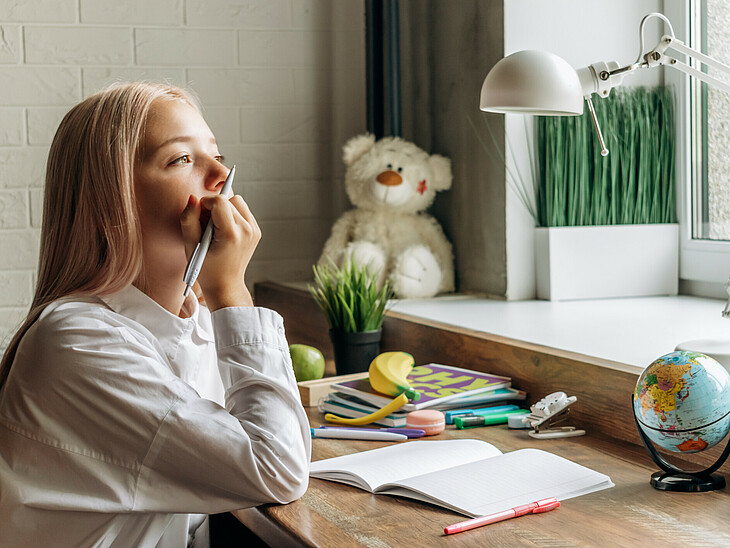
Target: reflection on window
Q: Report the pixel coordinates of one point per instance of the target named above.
(711, 136)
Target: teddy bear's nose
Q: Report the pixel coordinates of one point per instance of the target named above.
(389, 178)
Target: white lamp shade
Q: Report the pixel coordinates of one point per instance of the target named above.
(532, 82)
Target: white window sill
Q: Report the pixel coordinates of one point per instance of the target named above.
(630, 333)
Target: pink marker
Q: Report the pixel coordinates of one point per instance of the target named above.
(544, 505)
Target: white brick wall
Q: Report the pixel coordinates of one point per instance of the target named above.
(282, 84)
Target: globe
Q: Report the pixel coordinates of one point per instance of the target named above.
(682, 402)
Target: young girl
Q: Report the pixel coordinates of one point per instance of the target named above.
(125, 408)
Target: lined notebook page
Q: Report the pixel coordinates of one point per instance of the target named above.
(401, 460)
(509, 480)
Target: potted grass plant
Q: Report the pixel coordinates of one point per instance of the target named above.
(605, 226)
(355, 309)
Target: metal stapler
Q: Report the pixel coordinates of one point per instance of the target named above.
(547, 413)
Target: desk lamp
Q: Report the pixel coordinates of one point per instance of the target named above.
(541, 83)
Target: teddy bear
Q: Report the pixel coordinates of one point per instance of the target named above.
(390, 182)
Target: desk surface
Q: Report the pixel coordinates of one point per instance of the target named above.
(630, 514)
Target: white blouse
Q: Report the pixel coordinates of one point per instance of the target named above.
(113, 430)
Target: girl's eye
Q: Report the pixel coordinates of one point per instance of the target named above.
(220, 158)
(184, 159)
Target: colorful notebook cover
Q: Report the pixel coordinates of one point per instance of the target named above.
(437, 384)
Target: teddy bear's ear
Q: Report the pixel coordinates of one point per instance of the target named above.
(356, 147)
(441, 167)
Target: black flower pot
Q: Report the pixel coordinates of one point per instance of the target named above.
(354, 351)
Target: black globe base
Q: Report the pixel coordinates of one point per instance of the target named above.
(676, 479)
(687, 482)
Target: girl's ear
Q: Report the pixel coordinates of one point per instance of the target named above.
(356, 147)
(441, 167)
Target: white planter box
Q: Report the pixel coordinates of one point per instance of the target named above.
(596, 262)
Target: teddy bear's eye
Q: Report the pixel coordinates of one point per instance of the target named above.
(400, 170)
(390, 166)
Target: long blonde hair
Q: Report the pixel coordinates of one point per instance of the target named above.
(90, 237)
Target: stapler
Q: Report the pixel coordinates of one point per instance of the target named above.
(547, 413)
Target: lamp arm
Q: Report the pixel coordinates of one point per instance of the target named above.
(657, 57)
(604, 77)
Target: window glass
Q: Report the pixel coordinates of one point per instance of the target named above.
(711, 139)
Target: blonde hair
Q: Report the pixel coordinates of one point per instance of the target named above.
(90, 237)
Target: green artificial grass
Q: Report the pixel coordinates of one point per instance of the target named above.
(634, 184)
(349, 297)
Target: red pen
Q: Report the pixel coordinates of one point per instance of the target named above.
(544, 505)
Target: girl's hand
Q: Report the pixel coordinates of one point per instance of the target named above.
(235, 238)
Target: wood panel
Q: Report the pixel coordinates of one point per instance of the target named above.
(604, 394)
(630, 514)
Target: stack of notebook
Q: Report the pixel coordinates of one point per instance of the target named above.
(442, 387)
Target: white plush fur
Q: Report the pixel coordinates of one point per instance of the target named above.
(391, 183)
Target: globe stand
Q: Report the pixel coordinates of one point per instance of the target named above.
(676, 479)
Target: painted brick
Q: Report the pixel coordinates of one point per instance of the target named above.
(56, 11)
(43, 123)
(10, 320)
(292, 239)
(19, 249)
(284, 48)
(282, 162)
(78, 45)
(14, 209)
(39, 86)
(11, 126)
(132, 12)
(243, 14)
(285, 124)
(282, 270)
(278, 200)
(22, 167)
(185, 47)
(318, 87)
(234, 87)
(15, 288)
(9, 43)
(329, 14)
(223, 122)
(95, 79)
(36, 207)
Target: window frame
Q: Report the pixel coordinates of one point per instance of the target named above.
(700, 261)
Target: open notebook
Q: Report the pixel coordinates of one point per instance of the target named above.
(468, 476)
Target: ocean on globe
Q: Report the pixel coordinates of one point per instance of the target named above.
(682, 402)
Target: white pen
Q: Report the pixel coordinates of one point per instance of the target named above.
(201, 250)
(373, 435)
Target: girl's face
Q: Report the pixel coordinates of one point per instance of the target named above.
(179, 157)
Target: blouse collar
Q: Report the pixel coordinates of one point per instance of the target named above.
(169, 329)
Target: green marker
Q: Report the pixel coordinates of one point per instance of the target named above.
(472, 421)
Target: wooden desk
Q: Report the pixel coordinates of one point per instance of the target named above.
(630, 514)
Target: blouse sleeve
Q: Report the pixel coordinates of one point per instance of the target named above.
(111, 429)
(256, 452)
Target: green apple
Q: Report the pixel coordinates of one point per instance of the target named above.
(308, 362)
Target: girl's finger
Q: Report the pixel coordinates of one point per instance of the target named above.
(242, 207)
(222, 215)
(190, 224)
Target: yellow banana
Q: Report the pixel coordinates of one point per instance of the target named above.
(388, 374)
(396, 404)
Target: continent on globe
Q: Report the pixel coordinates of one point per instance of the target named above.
(682, 402)
(662, 384)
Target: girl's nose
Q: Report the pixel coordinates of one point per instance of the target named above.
(216, 176)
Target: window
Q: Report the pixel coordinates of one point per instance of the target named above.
(704, 139)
